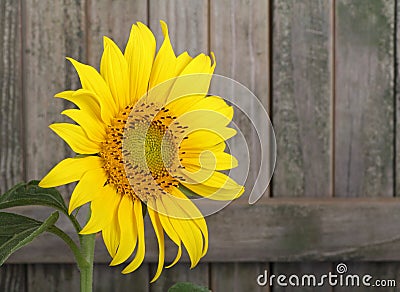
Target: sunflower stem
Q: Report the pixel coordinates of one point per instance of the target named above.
(86, 270)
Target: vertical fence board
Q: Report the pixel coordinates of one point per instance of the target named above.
(239, 37)
(13, 278)
(114, 20)
(302, 97)
(364, 98)
(11, 137)
(108, 278)
(237, 277)
(397, 102)
(53, 277)
(364, 106)
(179, 273)
(187, 23)
(301, 108)
(53, 31)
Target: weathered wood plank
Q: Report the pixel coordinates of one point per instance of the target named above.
(239, 37)
(364, 107)
(114, 20)
(108, 278)
(13, 278)
(187, 22)
(53, 277)
(237, 277)
(53, 30)
(11, 137)
(364, 98)
(180, 273)
(397, 102)
(296, 230)
(302, 97)
(301, 106)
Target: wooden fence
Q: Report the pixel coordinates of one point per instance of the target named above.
(325, 70)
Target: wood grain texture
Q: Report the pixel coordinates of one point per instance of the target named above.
(180, 273)
(239, 37)
(296, 230)
(53, 30)
(364, 98)
(108, 278)
(237, 277)
(53, 277)
(11, 137)
(364, 129)
(301, 108)
(13, 278)
(187, 23)
(114, 20)
(397, 102)
(302, 97)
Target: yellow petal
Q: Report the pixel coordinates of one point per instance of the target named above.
(70, 170)
(76, 138)
(180, 105)
(102, 210)
(83, 99)
(212, 193)
(164, 67)
(186, 229)
(139, 257)
(194, 213)
(89, 188)
(202, 120)
(213, 103)
(111, 234)
(216, 180)
(169, 229)
(160, 239)
(92, 81)
(114, 69)
(194, 79)
(139, 54)
(181, 61)
(93, 127)
(209, 160)
(128, 231)
(204, 139)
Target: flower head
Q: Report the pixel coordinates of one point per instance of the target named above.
(147, 132)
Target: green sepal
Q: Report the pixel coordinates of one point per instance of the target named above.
(27, 194)
(17, 231)
(187, 287)
(189, 193)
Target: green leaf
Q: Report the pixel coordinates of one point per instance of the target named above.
(187, 287)
(25, 194)
(17, 231)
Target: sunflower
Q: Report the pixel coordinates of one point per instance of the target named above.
(147, 134)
